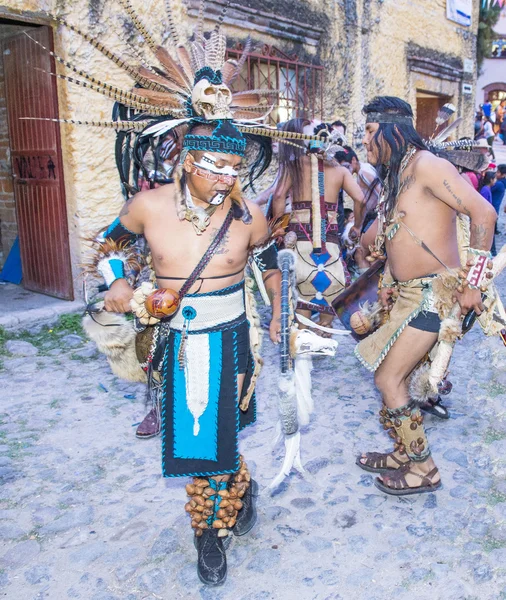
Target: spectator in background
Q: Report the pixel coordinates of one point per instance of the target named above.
(349, 217)
(499, 188)
(486, 107)
(478, 126)
(339, 127)
(502, 131)
(488, 132)
(472, 177)
(486, 191)
(367, 179)
(499, 115)
(488, 181)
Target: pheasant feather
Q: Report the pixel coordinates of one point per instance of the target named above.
(175, 72)
(242, 60)
(171, 24)
(139, 25)
(132, 97)
(447, 131)
(116, 125)
(117, 60)
(445, 113)
(117, 96)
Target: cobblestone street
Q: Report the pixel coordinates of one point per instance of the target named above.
(86, 514)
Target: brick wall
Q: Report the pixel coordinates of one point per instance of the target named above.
(8, 226)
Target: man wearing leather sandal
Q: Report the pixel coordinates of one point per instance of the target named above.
(423, 198)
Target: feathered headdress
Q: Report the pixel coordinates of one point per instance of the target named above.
(181, 84)
(461, 152)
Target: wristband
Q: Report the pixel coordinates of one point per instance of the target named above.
(112, 267)
(479, 272)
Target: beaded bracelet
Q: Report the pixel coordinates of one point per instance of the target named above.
(480, 271)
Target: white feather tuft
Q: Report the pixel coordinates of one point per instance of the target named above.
(292, 458)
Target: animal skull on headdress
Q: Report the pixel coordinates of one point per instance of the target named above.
(211, 101)
(308, 343)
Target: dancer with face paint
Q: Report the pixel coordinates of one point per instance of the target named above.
(207, 363)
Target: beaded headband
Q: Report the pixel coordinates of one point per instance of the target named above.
(226, 138)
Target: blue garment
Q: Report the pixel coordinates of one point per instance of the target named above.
(201, 416)
(486, 193)
(497, 191)
(487, 109)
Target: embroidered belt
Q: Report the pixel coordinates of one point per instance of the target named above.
(206, 311)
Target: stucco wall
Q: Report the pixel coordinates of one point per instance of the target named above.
(363, 45)
(494, 71)
(372, 53)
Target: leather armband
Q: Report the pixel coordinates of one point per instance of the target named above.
(266, 257)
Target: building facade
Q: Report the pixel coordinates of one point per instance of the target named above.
(59, 183)
(491, 84)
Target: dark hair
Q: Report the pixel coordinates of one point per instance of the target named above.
(339, 124)
(347, 213)
(501, 169)
(346, 155)
(398, 137)
(488, 178)
(290, 157)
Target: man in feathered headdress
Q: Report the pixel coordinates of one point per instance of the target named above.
(425, 277)
(196, 318)
(199, 318)
(201, 221)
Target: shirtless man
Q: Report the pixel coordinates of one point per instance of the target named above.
(207, 362)
(423, 195)
(321, 272)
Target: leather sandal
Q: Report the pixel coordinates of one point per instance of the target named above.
(395, 484)
(376, 462)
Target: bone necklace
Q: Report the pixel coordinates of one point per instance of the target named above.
(199, 217)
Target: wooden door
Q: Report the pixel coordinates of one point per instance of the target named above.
(426, 113)
(41, 209)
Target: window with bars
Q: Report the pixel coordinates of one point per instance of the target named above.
(299, 85)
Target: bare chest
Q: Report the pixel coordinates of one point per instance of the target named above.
(176, 249)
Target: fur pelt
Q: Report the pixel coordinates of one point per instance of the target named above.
(444, 287)
(450, 331)
(255, 335)
(420, 387)
(117, 343)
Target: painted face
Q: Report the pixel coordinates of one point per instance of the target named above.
(212, 176)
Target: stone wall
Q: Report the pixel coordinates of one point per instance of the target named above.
(375, 51)
(368, 47)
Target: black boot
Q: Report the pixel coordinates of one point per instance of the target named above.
(247, 516)
(212, 560)
(435, 406)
